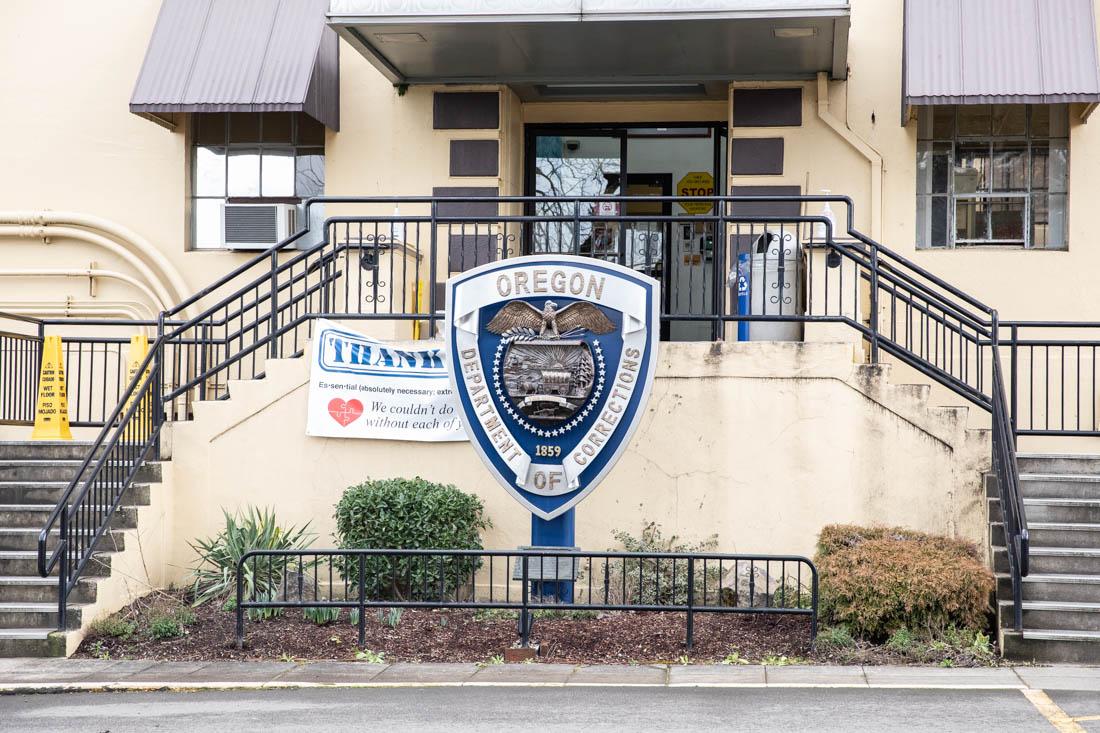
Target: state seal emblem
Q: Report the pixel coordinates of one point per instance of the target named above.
(552, 359)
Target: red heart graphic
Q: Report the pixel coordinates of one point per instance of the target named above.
(345, 413)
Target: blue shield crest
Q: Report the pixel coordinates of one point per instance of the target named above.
(551, 358)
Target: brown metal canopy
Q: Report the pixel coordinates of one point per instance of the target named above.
(241, 56)
(1000, 52)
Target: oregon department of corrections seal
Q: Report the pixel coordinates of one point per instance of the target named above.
(551, 358)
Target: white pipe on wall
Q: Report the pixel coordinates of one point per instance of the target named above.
(125, 235)
(163, 295)
(86, 272)
(872, 155)
(130, 311)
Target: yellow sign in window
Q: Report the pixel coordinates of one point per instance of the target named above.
(698, 183)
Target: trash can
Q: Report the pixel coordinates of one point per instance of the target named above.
(775, 286)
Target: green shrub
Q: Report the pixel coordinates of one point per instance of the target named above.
(115, 626)
(215, 573)
(409, 513)
(878, 580)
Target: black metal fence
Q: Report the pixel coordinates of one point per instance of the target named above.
(20, 356)
(525, 581)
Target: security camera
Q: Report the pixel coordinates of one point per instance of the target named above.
(572, 145)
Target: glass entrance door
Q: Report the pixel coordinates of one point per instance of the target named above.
(673, 242)
(577, 166)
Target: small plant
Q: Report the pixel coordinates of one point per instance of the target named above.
(901, 641)
(289, 658)
(164, 626)
(495, 614)
(390, 617)
(734, 658)
(335, 639)
(947, 663)
(684, 660)
(575, 614)
(215, 573)
(184, 615)
(366, 655)
(492, 661)
(99, 651)
(836, 637)
(321, 615)
(654, 581)
(114, 626)
(230, 604)
(780, 660)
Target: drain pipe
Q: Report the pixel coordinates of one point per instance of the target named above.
(88, 272)
(128, 237)
(163, 295)
(872, 155)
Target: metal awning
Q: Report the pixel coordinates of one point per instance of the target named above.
(598, 48)
(1000, 52)
(241, 56)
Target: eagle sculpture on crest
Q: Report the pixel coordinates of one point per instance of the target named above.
(550, 322)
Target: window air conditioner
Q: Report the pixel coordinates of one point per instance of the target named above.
(256, 226)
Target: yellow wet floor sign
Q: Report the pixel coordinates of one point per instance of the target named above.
(139, 349)
(51, 412)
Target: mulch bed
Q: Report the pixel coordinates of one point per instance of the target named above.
(466, 636)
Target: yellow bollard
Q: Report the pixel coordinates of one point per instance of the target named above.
(137, 430)
(51, 412)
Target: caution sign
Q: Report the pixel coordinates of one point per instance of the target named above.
(698, 183)
(51, 412)
(138, 429)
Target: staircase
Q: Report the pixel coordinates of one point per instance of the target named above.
(1061, 595)
(33, 477)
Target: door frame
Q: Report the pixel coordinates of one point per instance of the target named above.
(719, 131)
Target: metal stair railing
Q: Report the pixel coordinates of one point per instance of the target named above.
(383, 268)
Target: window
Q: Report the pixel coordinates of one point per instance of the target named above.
(252, 157)
(993, 175)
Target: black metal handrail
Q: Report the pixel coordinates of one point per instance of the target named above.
(83, 513)
(526, 581)
(369, 267)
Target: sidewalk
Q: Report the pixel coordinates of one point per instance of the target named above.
(58, 675)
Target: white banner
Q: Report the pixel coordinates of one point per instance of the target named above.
(360, 387)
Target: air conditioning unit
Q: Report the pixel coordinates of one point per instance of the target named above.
(257, 226)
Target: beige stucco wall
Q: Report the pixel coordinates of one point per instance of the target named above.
(761, 444)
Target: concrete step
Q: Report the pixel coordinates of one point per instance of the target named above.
(1054, 534)
(32, 642)
(1047, 615)
(21, 615)
(1053, 587)
(50, 492)
(61, 450)
(1059, 486)
(1053, 646)
(26, 538)
(22, 562)
(1084, 511)
(1075, 463)
(34, 589)
(1047, 560)
(58, 470)
(34, 515)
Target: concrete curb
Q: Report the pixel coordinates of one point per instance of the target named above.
(25, 676)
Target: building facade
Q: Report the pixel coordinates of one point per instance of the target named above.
(157, 151)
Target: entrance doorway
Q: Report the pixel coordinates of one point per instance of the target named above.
(668, 160)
